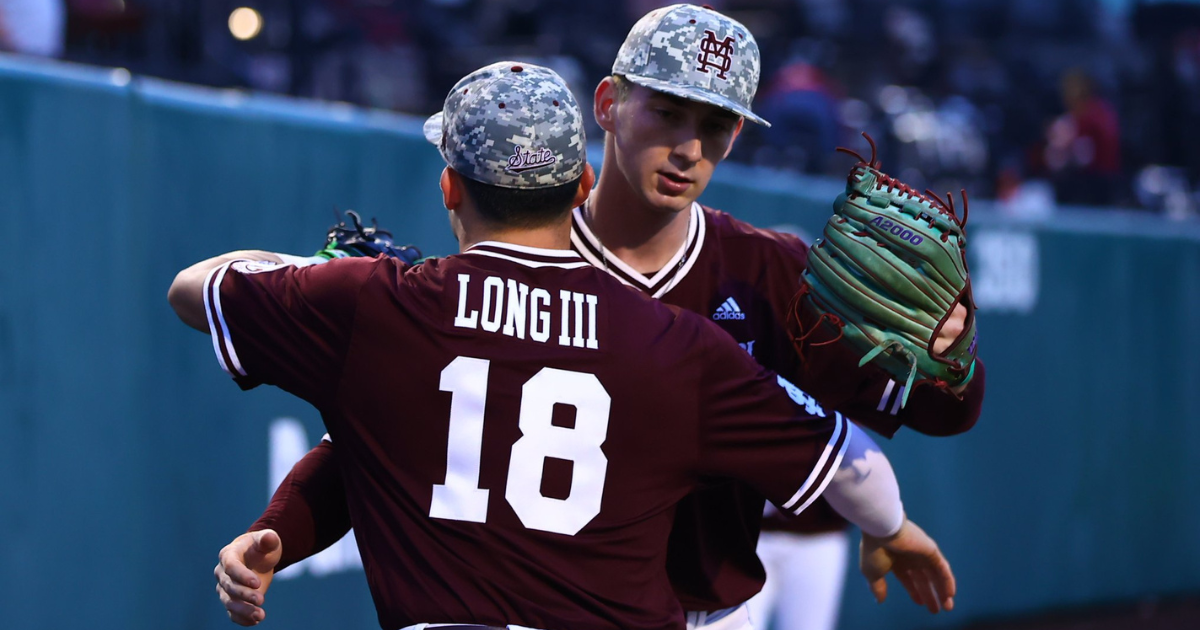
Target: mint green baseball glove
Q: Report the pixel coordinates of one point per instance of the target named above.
(889, 271)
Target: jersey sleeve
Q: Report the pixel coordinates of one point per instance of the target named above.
(754, 429)
(308, 510)
(283, 325)
(868, 394)
(832, 374)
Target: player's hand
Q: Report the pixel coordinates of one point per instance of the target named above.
(915, 560)
(951, 330)
(244, 573)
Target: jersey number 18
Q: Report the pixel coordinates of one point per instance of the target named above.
(461, 498)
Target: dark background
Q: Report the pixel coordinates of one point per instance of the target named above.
(1029, 101)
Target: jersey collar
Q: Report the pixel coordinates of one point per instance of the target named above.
(593, 251)
(529, 256)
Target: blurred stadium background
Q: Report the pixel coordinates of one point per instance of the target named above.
(176, 129)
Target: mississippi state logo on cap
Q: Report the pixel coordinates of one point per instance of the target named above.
(693, 53)
(716, 54)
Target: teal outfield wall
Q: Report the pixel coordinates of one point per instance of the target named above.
(128, 458)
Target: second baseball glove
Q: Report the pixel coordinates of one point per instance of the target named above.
(343, 241)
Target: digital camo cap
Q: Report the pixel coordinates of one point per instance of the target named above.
(694, 53)
(513, 125)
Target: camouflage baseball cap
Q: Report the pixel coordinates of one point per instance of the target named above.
(694, 53)
(513, 125)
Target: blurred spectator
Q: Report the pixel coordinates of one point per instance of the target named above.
(1083, 146)
(32, 27)
(801, 103)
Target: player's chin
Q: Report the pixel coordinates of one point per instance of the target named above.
(672, 201)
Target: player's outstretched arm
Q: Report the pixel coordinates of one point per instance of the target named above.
(917, 563)
(244, 572)
(864, 489)
(187, 291)
(934, 412)
(829, 371)
(865, 492)
(308, 510)
(186, 294)
(762, 430)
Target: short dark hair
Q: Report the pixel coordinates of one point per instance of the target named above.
(623, 87)
(521, 207)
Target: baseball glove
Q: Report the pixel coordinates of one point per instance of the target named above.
(344, 241)
(888, 273)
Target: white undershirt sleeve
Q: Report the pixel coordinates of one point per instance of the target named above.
(864, 489)
(301, 261)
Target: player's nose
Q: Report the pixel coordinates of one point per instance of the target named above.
(689, 150)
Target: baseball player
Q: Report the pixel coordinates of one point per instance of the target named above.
(680, 93)
(551, 418)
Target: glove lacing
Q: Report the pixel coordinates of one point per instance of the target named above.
(891, 184)
(834, 320)
(909, 357)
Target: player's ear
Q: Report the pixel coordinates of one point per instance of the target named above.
(603, 104)
(585, 186)
(733, 137)
(452, 189)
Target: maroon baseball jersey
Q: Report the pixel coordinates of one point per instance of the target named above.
(744, 278)
(514, 427)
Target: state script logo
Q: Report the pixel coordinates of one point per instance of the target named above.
(715, 54)
(524, 159)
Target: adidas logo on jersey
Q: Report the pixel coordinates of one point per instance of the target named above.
(729, 309)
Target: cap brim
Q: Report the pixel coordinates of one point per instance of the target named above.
(433, 129)
(693, 93)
